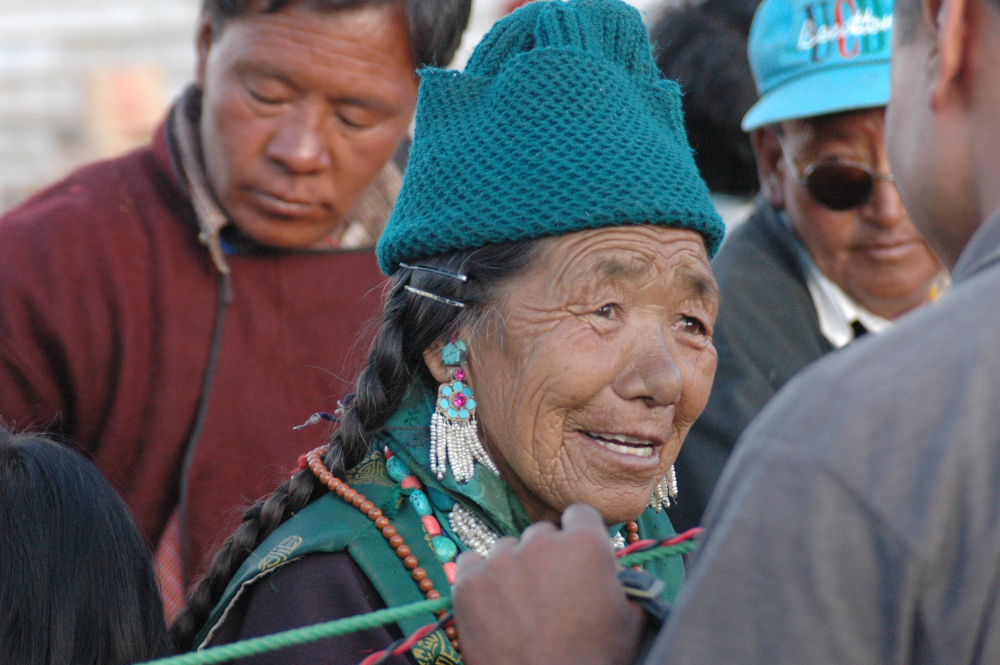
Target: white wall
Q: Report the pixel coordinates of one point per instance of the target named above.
(85, 79)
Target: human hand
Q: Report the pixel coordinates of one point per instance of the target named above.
(552, 597)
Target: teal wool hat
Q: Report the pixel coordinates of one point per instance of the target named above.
(813, 57)
(559, 123)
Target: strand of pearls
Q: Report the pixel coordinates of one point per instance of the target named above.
(471, 530)
(666, 490)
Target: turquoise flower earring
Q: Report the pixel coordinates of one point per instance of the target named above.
(454, 435)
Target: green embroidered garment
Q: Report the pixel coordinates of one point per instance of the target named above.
(329, 524)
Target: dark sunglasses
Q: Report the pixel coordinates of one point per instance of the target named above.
(837, 184)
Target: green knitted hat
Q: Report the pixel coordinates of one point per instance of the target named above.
(559, 123)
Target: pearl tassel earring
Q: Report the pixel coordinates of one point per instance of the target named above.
(454, 434)
(666, 490)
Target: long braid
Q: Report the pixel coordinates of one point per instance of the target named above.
(410, 324)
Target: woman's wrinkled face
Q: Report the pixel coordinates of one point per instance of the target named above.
(603, 361)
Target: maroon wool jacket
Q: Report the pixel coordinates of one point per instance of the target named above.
(108, 305)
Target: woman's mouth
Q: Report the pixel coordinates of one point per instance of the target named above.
(624, 444)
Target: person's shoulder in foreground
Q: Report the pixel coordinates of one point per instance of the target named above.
(834, 535)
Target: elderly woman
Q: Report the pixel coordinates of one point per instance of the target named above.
(546, 340)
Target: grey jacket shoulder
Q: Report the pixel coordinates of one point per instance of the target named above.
(857, 519)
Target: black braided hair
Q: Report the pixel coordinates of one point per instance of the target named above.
(410, 324)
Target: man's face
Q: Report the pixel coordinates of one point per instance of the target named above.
(928, 146)
(301, 110)
(873, 251)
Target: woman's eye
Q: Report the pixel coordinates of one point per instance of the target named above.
(605, 312)
(692, 326)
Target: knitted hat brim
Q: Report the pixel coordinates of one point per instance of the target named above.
(623, 158)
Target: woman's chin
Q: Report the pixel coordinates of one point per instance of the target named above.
(618, 505)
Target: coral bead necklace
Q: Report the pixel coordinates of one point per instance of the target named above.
(470, 529)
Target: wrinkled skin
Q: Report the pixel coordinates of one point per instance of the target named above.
(873, 252)
(301, 110)
(610, 331)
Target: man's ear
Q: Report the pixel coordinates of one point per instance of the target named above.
(203, 44)
(950, 20)
(770, 165)
(432, 358)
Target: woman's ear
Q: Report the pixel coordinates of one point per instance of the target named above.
(432, 358)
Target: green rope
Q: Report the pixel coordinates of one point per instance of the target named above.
(320, 631)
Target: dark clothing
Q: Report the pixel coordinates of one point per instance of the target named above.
(108, 308)
(253, 603)
(767, 331)
(858, 520)
(311, 590)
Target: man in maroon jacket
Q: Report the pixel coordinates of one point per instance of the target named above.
(176, 311)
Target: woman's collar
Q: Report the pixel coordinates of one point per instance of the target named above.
(407, 433)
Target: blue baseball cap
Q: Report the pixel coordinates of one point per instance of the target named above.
(813, 57)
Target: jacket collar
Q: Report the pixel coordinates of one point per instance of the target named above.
(407, 434)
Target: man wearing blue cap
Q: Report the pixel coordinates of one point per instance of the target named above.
(829, 253)
(859, 520)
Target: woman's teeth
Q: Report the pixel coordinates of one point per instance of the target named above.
(637, 447)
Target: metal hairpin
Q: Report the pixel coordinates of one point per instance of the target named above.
(434, 296)
(437, 271)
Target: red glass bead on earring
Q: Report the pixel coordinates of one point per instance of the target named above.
(458, 400)
(460, 374)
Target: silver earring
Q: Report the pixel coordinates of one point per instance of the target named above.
(454, 435)
(666, 490)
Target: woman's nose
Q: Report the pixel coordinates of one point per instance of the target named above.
(652, 375)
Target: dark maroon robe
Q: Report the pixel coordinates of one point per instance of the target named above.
(108, 305)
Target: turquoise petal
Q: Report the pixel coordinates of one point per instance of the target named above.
(471, 404)
(457, 385)
(452, 413)
(446, 390)
(397, 469)
(446, 550)
(443, 403)
(468, 392)
(420, 503)
(463, 414)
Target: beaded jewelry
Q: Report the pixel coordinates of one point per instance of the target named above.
(666, 490)
(454, 434)
(469, 528)
(314, 460)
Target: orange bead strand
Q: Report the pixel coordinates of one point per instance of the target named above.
(340, 488)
